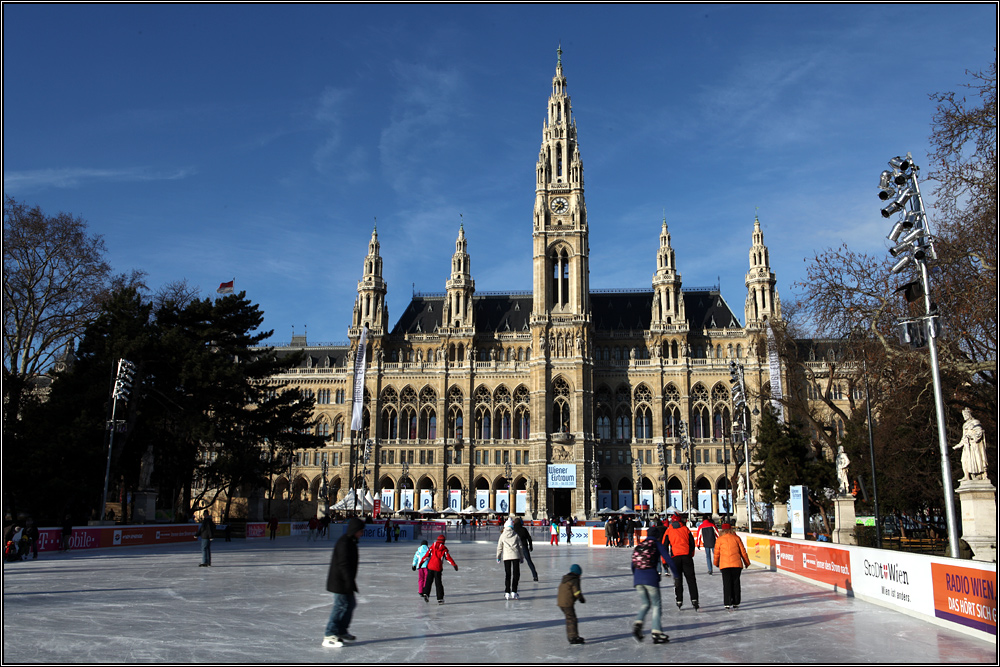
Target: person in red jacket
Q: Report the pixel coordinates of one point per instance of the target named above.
(435, 557)
(730, 557)
(681, 542)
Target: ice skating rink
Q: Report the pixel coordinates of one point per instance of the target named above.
(265, 601)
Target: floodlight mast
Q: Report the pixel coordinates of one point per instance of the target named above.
(917, 246)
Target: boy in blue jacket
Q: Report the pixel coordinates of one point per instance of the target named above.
(646, 580)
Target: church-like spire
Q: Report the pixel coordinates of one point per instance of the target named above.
(461, 286)
(668, 300)
(369, 308)
(763, 302)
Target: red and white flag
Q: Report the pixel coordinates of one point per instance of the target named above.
(226, 288)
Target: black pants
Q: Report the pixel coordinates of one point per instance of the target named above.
(511, 575)
(434, 576)
(685, 566)
(731, 586)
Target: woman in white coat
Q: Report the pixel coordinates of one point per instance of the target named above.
(511, 552)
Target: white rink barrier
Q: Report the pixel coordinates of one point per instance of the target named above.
(961, 594)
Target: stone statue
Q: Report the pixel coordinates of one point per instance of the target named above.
(741, 487)
(842, 462)
(973, 446)
(146, 468)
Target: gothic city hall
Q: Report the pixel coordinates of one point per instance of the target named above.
(561, 401)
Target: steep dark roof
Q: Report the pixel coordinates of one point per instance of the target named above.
(316, 356)
(612, 311)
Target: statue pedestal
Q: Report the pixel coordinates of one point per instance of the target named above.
(979, 518)
(845, 520)
(144, 506)
(780, 519)
(741, 514)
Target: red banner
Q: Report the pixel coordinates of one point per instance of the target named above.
(813, 561)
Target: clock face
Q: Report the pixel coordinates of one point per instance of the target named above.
(559, 205)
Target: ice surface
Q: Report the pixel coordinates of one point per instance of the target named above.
(265, 601)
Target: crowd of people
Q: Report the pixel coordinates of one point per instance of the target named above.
(667, 549)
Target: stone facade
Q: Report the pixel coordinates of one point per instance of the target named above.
(467, 388)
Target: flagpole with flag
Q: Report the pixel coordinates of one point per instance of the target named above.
(357, 402)
(226, 288)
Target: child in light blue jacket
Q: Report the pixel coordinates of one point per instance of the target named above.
(421, 570)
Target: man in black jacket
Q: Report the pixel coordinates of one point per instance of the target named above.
(522, 532)
(340, 581)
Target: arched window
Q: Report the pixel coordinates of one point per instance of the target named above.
(390, 423)
(623, 425)
(603, 427)
(522, 423)
(643, 423)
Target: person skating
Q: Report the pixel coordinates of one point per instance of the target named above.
(435, 557)
(681, 543)
(510, 551)
(419, 568)
(341, 581)
(645, 558)
(526, 542)
(206, 531)
(707, 535)
(730, 557)
(569, 594)
(554, 537)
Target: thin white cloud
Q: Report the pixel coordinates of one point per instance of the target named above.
(40, 179)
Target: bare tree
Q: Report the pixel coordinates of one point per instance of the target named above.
(54, 280)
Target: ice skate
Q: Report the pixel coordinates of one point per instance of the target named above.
(660, 638)
(515, 596)
(577, 640)
(637, 630)
(440, 601)
(332, 642)
(680, 604)
(347, 637)
(506, 596)
(694, 603)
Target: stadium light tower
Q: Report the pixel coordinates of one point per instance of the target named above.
(914, 247)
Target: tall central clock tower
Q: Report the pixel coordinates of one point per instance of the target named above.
(561, 364)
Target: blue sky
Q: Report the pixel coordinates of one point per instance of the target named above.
(261, 142)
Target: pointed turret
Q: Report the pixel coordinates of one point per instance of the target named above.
(458, 304)
(763, 302)
(369, 308)
(668, 299)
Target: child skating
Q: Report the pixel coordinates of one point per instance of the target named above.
(421, 570)
(569, 593)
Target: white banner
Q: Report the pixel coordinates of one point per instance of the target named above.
(775, 363)
(455, 499)
(562, 476)
(646, 496)
(676, 500)
(426, 498)
(705, 501)
(725, 501)
(358, 399)
(604, 500)
(521, 501)
(406, 499)
(482, 500)
(624, 499)
(503, 502)
(798, 510)
(387, 500)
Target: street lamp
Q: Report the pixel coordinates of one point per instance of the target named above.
(402, 484)
(914, 246)
(595, 471)
(122, 388)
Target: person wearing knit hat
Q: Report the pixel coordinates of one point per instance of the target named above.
(435, 557)
(681, 542)
(569, 594)
(510, 551)
(730, 557)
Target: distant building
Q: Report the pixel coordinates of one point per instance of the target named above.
(466, 388)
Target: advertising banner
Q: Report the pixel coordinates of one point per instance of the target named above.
(646, 497)
(894, 578)
(562, 476)
(624, 499)
(426, 498)
(676, 500)
(705, 501)
(455, 499)
(966, 596)
(521, 500)
(503, 501)
(798, 510)
(482, 500)
(406, 499)
(725, 501)
(759, 550)
(826, 564)
(387, 500)
(604, 500)
(357, 398)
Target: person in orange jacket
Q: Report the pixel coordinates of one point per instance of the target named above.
(681, 543)
(730, 557)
